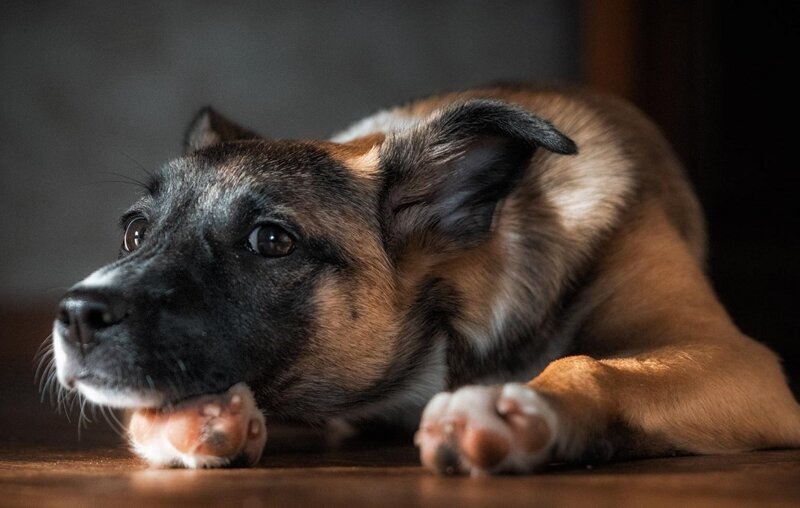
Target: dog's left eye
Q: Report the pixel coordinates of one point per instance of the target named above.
(270, 240)
(134, 233)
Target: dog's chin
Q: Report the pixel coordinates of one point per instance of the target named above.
(120, 398)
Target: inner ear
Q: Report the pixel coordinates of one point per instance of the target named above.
(210, 128)
(484, 173)
(443, 179)
(450, 202)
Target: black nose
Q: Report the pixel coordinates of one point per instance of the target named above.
(83, 314)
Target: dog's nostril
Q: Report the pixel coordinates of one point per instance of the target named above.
(63, 315)
(84, 314)
(96, 315)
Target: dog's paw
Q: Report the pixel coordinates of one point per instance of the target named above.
(208, 431)
(487, 429)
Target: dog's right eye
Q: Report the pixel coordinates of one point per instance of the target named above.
(134, 233)
(270, 240)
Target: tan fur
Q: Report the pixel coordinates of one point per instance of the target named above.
(475, 280)
(666, 361)
(661, 365)
(361, 155)
(356, 307)
(345, 350)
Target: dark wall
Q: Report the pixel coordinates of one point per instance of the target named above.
(716, 77)
(753, 207)
(93, 90)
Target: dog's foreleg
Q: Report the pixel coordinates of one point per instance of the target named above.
(665, 372)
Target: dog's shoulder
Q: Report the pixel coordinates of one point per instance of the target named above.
(562, 215)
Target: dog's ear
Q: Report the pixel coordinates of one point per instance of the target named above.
(210, 128)
(443, 178)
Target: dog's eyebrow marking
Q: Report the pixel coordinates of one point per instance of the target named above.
(367, 163)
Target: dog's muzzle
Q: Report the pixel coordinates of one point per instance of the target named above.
(86, 319)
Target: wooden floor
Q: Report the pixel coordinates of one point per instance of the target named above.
(110, 477)
(43, 462)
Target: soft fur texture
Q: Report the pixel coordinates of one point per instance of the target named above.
(470, 241)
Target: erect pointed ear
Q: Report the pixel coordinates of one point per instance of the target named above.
(210, 128)
(444, 177)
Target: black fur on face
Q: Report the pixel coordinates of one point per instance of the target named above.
(203, 311)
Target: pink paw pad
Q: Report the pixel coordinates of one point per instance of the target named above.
(486, 429)
(207, 431)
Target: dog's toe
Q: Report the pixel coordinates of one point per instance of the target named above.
(209, 431)
(487, 429)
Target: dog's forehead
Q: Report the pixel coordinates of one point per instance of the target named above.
(294, 166)
(291, 178)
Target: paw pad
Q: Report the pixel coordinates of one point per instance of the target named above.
(486, 429)
(208, 431)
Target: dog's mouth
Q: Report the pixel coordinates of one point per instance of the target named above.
(105, 392)
(99, 388)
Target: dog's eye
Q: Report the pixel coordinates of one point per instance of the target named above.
(134, 233)
(270, 240)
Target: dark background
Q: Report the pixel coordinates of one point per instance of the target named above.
(715, 75)
(93, 92)
(96, 89)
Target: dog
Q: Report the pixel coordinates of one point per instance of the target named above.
(515, 271)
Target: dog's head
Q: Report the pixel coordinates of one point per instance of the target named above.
(301, 268)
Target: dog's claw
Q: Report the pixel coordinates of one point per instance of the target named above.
(209, 431)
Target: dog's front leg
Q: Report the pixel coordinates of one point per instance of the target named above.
(668, 373)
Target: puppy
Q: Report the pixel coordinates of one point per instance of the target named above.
(527, 262)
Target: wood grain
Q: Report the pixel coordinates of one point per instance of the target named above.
(388, 476)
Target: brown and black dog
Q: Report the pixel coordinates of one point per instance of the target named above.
(525, 264)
